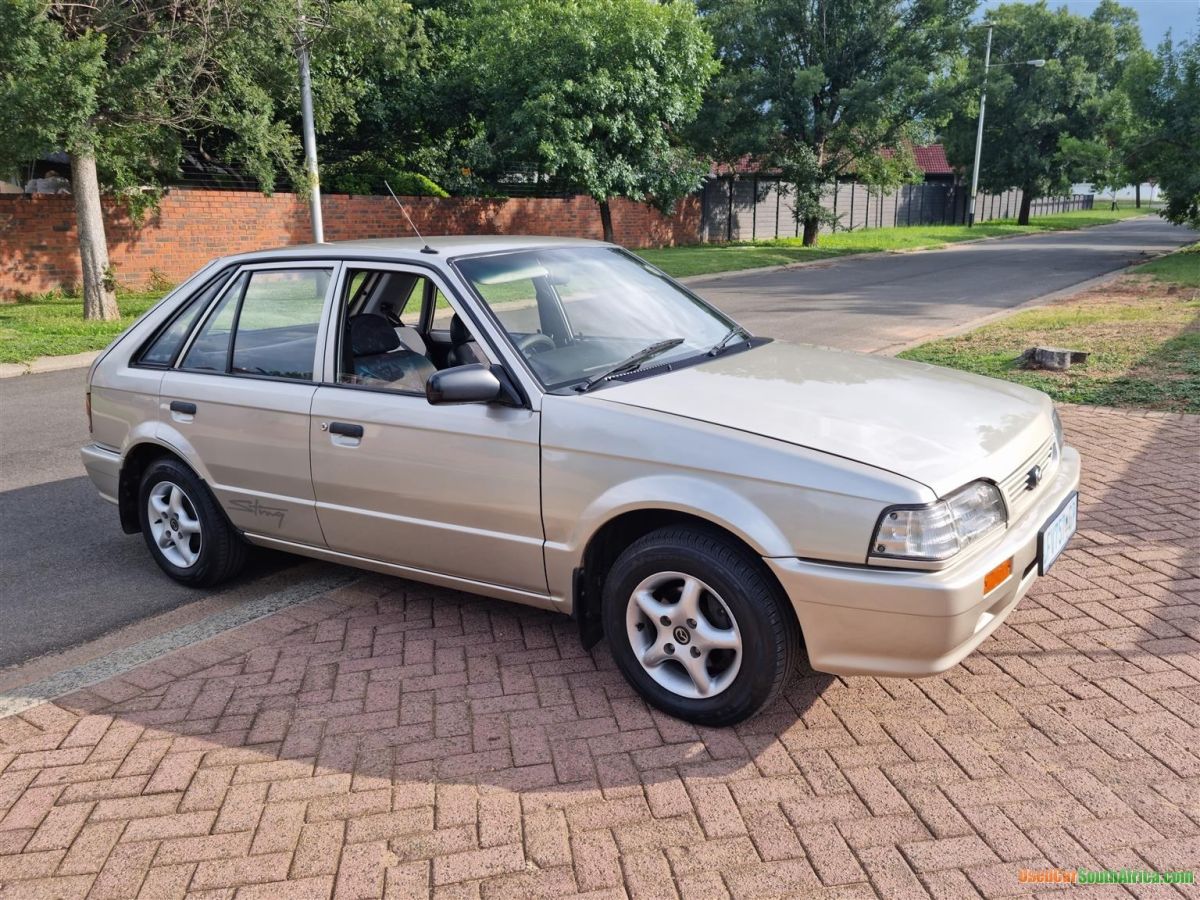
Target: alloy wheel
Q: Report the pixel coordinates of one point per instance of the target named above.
(683, 635)
(174, 524)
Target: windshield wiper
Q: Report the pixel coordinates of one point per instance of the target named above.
(630, 363)
(736, 331)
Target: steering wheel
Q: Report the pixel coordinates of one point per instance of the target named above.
(535, 343)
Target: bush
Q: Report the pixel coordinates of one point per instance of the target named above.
(366, 173)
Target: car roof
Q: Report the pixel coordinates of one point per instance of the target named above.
(406, 249)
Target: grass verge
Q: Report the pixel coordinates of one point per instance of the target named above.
(708, 259)
(53, 325)
(1143, 333)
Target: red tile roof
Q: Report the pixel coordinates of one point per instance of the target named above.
(931, 160)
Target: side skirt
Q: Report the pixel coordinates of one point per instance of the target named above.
(514, 595)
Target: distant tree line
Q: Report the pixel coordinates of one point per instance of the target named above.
(630, 98)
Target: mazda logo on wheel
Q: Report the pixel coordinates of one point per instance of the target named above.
(681, 635)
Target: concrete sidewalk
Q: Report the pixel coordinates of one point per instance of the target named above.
(390, 739)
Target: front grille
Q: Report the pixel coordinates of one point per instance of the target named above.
(1017, 495)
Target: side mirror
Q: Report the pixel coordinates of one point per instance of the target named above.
(463, 384)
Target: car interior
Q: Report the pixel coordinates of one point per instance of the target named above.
(398, 330)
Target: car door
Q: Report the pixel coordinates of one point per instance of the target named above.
(238, 400)
(452, 490)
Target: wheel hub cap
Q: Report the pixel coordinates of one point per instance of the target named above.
(683, 635)
(174, 524)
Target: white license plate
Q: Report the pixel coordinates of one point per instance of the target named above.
(1056, 533)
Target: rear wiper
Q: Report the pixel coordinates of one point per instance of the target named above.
(719, 346)
(630, 363)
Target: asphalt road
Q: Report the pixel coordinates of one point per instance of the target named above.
(68, 574)
(885, 302)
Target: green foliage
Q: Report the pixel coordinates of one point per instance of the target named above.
(1048, 127)
(591, 93)
(823, 88)
(132, 79)
(1169, 147)
(373, 173)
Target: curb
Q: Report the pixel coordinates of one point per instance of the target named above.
(48, 364)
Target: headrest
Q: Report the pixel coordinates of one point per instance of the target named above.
(371, 334)
(459, 334)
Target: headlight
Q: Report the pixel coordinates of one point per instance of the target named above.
(940, 530)
(1058, 434)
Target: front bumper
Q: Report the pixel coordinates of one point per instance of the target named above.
(908, 623)
(104, 468)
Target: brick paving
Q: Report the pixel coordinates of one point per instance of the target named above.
(390, 739)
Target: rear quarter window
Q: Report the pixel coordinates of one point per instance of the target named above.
(160, 351)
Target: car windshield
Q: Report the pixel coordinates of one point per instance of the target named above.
(578, 314)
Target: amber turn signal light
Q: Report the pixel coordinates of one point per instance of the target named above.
(997, 576)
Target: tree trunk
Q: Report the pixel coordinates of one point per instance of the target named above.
(1026, 202)
(1137, 195)
(99, 298)
(811, 228)
(606, 220)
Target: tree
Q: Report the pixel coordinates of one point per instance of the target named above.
(119, 84)
(592, 93)
(1168, 149)
(1046, 128)
(1138, 84)
(825, 88)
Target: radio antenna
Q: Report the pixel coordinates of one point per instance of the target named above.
(411, 224)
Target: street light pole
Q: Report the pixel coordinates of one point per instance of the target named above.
(987, 61)
(310, 133)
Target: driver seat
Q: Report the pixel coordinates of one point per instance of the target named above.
(463, 349)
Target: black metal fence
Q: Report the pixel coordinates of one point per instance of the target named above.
(760, 207)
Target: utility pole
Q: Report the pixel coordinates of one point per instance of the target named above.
(310, 134)
(987, 60)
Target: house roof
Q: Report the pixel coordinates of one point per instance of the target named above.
(931, 159)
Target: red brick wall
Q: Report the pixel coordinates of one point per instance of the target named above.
(38, 250)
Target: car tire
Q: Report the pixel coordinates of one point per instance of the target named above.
(714, 668)
(184, 528)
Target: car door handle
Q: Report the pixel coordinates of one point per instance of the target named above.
(182, 406)
(345, 429)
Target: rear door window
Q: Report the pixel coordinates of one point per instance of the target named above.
(276, 330)
(266, 324)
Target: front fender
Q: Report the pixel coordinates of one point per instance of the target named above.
(602, 459)
(699, 497)
(679, 493)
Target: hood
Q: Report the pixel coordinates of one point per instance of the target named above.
(936, 426)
